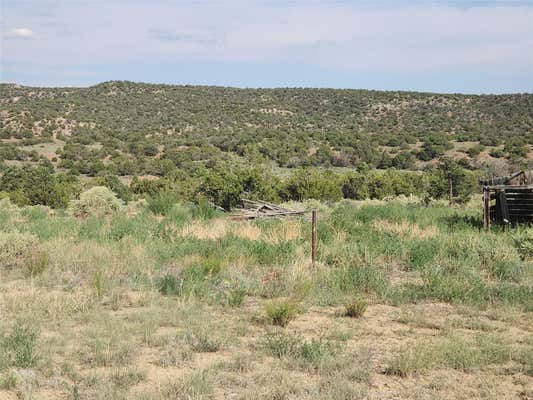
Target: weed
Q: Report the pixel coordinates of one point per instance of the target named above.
(451, 352)
(175, 355)
(8, 380)
(196, 386)
(202, 342)
(281, 312)
(169, 285)
(308, 353)
(20, 345)
(280, 345)
(127, 378)
(236, 297)
(99, 282)
(108, 351)
(355, 307)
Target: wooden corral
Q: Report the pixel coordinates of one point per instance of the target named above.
(508, 200)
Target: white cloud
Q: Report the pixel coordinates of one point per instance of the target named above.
(20, 33)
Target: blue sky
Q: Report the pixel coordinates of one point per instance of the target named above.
(439, 46)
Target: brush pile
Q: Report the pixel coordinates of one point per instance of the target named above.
(252, 209)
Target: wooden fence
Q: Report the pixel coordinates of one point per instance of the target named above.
(507, 204)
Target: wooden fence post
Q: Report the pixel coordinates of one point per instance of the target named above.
(313, 238)
(486, 208)
(450, 188)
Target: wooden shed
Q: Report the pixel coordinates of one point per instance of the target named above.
(508, 200)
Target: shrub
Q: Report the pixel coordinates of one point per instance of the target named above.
(312, 183)
(98, 201)
(355, 186)
(112, 182)
(281, 312)
(39, 185)
(16, 248)
(355, 307)
(223, 187)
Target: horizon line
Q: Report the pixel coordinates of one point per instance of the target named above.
(259, 88)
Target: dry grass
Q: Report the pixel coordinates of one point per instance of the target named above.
(405, 229)
(218, 228)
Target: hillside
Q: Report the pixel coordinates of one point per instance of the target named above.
(132, 129)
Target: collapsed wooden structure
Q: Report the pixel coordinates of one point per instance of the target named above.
(507, 200)
(253, 209)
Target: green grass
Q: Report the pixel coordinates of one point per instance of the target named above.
(281, 312)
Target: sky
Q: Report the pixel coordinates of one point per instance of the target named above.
(435, 46)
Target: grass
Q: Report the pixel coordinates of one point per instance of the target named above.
(19, 347)
(450, 352)
(281, 312)
(173, 301)
(202, 341)
(311, 352)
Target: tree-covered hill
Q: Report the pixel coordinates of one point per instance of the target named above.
(118, 121)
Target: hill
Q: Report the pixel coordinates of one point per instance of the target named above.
(130, 128)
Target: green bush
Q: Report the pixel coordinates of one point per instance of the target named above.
(97, 201)
(312, 183)
(223, 187)
(38, 185)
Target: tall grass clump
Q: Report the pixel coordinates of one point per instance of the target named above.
(204, 210)
(162, 203)
(523, 241)
(19, 347)
(97, 201)
(281, 312)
